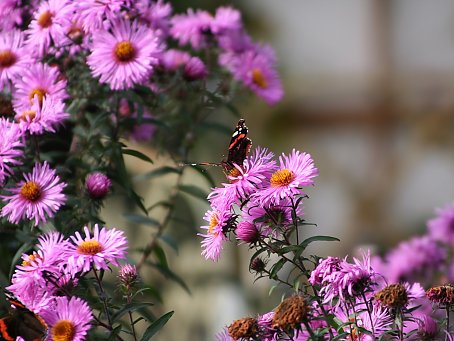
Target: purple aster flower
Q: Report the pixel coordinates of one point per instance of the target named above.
(271, 220)
(173, 59)
(142, 131)
(97, 14)
(265, 323)
(223, 335)
(13, 56)
(39, 80)
(69, 320)
(192, 28)
(97, 185)
(38, 197)
(245, 179)
(427, 327)
(194, 69)
(10, 147)
(294, 171)
(413, 260)
(42, 116)
(324, 270)
(350, 281)
(105, 246)
(125, 56)
(156, 15)
(47, 26)
(442, 226)
(11, 14)
(39, 265)
(255, 67)
(226, 19)
(219, 219)
(222, 197)
(33, 296)
(247, 232)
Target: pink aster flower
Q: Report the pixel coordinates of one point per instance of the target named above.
(442, 226)
(42, 116)
(226, 19)
(125, 56)
(271, 220)
(42, 263)
(33, 296)
(255, 68)
(10, 148)
(156, 15)
(97, 185)
(218, 219)
(222, 197)
(70, 316)
(47, 26)
(14, 57)
(105, 246)
(247, 232)
(11, 14)
(325, 268)
(192, 28)
(245, 179)
(173, 59)
(38, 197)
(294, 171)
(39, 80)
(97, 14)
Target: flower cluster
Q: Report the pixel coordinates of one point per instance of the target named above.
(47, 278)
(267, 193)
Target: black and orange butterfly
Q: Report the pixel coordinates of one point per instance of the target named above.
(238, 149)
(21, 322)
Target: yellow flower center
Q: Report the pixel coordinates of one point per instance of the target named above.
(63, 330)
(31, 191)
(27, 113)
(31, 258)
(89, 247)
(124, 51)
(259, 79)
(213, 222)
(282, 177)
(7, 58)
(40, 92)
(45, 19)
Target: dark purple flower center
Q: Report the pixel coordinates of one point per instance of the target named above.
(7, 58)
(31, 191)
(125, 51)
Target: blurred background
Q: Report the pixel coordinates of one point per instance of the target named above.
(369, 93)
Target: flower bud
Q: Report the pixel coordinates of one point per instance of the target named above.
(97, 185)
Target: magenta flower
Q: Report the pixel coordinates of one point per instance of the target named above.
(10, 147)
(39, 265)
(192, 28)
(105, 246)
(39, 80)
(218, 219)
(255, 67)
(47, 26)
(247, 232)
(254, 173)
(173, 59)
(226, 19)
(324, 270)
(442, 226)
(42, 116)
(38, 197)
(125, 56)
(156, 15)
(33, 296)
(412, 260)
(11, 14)
(195, 69)
(97, 185)
(69, 320)
(14, 57)
(97, 14)
(294, 171)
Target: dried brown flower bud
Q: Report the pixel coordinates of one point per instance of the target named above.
(393, 295)
(290, 313)
(244, 328)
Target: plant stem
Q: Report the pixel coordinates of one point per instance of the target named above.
(103, 297)
(447, 323)
(369, 313)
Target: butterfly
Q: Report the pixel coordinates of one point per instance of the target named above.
(21, 322)
(238, 149)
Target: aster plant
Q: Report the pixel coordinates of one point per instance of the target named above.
(81, 84)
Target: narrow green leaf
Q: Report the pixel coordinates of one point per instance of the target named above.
(134, 306)
(160, 255)
(194, 191)
(141, 219)
(137, 154)
(277, 267)
(156, 326)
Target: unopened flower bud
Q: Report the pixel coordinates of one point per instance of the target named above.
(97, 185)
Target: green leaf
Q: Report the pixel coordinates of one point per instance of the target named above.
(194, 191)
(158, 172)
(160, 255)
(304, 244)
(156, 326)
(169, 240)
(277, 267)
(137, 154)
(141, 219)
(130, 307)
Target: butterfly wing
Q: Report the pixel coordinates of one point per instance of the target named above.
(239, 145)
